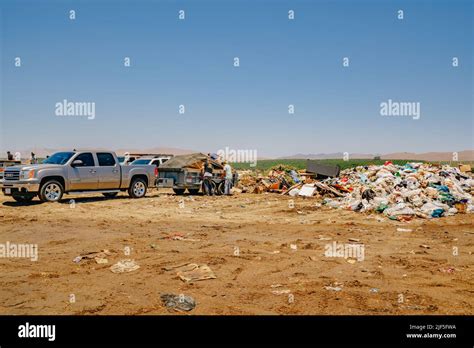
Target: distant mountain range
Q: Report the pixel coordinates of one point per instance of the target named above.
(465, 155)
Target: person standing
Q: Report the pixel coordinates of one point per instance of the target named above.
(9, 156)
(207, 179)
(228, 178)
(33, 159)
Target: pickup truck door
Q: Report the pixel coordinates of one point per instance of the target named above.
(82, 178)
(108, 170)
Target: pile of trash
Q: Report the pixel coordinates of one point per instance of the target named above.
(403, 192)
(279, 179)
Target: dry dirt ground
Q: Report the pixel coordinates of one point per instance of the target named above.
(249, 243)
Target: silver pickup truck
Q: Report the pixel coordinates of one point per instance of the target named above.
(77, 172)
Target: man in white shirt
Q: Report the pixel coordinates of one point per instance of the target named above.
(228, 178)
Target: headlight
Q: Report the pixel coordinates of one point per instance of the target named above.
(27, 174)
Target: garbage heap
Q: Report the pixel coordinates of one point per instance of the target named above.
(403, 192)
(279, 179)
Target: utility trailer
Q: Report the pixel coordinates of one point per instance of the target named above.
(184, 172)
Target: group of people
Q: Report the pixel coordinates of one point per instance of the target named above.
(33, 159)
(207, 173)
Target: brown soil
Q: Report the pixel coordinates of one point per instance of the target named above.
(397, 275)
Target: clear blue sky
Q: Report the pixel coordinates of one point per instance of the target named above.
(283, 62)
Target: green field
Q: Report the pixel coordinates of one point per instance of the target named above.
(264, 165)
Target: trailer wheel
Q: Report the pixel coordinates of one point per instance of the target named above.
(179, 191)
(214, 188)
(138, 188)
(220, 188)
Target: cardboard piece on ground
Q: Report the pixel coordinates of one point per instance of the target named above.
(286, 192)
(307, 190)
(194, 272)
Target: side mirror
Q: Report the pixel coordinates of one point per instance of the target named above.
(77, 163)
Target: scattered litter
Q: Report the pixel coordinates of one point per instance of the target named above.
(180, 236)
(404, 229)
(170, 268)
(324, 238)
(281, 292)
(92, 255)
(374, 290)
(465, 168)
(333, 288)
(424, 246)
(124, 266)
(101, 260)
(178, 302)
(307, 190)
(351, 261)
(193, 272)
(447, 270)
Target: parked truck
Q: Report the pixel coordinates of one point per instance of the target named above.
(7, 163)
(77, 172)
(156, 160)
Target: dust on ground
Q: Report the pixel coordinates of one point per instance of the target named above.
(268, 257)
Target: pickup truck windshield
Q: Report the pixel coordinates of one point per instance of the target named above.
(59, 158)
(140, 161)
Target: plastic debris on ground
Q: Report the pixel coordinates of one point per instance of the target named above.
(93, 255)
(191, 272)
(124, 266)
(178, 302)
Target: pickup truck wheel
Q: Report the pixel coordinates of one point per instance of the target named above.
(193, 191)
(23, 198)
(137, 189)
(179, 191)
(110, 194)
(51, 191)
